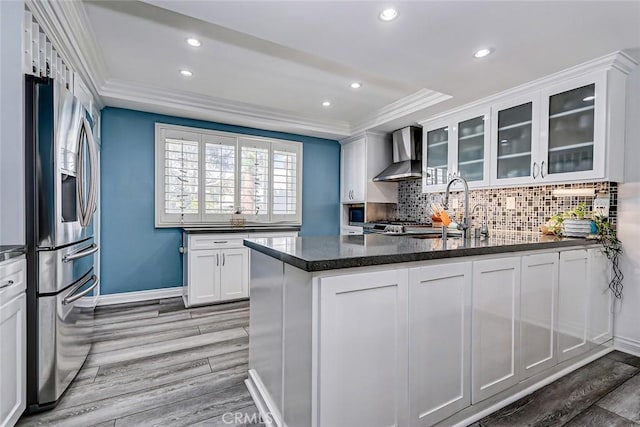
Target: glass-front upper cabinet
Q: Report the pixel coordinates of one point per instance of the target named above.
(515, 125)
(472, 149)
(435, 157)
(457, 145)
(573, 144)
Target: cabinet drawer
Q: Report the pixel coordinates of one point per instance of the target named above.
(12, 278)
(216, 241)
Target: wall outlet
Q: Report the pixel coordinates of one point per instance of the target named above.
(601, 205)
(511, 203)
(455, 203)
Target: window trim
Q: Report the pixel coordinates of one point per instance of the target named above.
(163, 220)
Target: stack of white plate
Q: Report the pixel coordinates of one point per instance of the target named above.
(576, 227)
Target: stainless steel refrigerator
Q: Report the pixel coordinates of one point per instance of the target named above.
(62, 187)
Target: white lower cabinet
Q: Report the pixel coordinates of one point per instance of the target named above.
(538, 304)
(217, 275)
(362, 360)
(600, 327)
(573, 304)
(439, 342)
(234, 274)
(12, 360)
(495, 333)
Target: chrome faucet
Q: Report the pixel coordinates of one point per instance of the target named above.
(465, 220)
(484, 227)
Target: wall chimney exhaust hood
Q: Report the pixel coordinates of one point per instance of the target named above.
(407, 156)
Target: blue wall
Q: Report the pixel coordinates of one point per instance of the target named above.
(135, 255)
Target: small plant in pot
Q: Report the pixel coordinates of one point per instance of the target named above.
(578, 223)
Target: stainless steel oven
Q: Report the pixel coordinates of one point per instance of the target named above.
(61, 182)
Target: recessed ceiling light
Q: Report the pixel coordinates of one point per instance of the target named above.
(326, 103)
(588, 98)
(186, 73)
(193, 42)
(356, 85)
(388, 14)
(482, 53)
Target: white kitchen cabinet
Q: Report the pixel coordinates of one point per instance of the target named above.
(347, 230)
(515, 136)
(538, 305)
(234, 273)
(216, 268)
(439, 342)
(600, 329)
(567, 127)
(456, 145)
(12, 341)
(495, 333)
(573, 304)
(363, 357)
(353, 171)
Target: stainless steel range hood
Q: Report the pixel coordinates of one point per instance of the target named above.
(407, 156)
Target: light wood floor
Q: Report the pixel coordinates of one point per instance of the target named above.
(157, 364)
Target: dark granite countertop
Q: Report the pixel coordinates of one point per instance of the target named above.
(11, 251)
(241, 230)
(335, 252)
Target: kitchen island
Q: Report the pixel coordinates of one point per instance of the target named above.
(378, 330)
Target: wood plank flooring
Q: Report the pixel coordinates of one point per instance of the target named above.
(158, 364)
(604, 393)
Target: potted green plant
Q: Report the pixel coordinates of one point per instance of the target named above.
(573, 223)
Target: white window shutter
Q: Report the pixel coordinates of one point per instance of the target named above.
(287, 182)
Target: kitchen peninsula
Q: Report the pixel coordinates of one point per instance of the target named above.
(381, 330)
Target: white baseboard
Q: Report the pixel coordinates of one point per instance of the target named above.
(268, 411)
(627, 345)
(152, 294)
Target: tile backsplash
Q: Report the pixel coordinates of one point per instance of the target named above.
(533, 205)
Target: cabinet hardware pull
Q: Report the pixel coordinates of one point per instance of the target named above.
(535, 173)
(223, 259)
(217, 260)
(6, 284)
(542, 169)
(222, 241)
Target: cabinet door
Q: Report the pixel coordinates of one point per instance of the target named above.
(472, 148)
(12, 360)
(495, 336)
(204, 277)
(234, 274)
(359, 173)
(436, 168)
(600, 298)
(439, 342)
(538, 303)
(353, 171)
(573, 304)
(363, 357)
(514, 141)
(573, 143)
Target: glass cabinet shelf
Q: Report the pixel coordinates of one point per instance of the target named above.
(515, 125)
(462, 138)
(568, 113)
(513, 156)
(571, 147)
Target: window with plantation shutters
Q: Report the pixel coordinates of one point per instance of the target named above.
(208, 177)
(285, 193)
(254, 178)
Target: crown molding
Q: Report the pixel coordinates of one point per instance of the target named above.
(618, 60)
(126, 94)
(67, 26)
(410, 104)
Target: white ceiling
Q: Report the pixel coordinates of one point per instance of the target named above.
(285, 57)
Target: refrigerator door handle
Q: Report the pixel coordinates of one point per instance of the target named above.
(93, 162)
(86, 251)
(69, 298)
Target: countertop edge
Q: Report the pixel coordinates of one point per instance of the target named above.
(367, 261)
(238, 230)
(11, 251)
